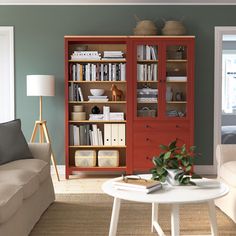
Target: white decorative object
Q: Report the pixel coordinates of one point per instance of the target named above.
(173, 195)
(169, 94)
(97, 92)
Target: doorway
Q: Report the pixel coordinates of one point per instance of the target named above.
(224, 87)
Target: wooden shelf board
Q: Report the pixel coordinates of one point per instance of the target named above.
(112, 82)
(177, 102)
(147, 61)
(147, 102)
(97, 121)
(93, 102)
(176, 81)
(90, 147)
(97, 168)
(147, 81)
(97, 61)
(176, 60)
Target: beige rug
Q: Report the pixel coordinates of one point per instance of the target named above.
(89, 215)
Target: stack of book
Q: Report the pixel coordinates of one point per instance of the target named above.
(85, 55)
(98, 98)
(95, 116)
(135, 183)
(113, 55)
(146, 52)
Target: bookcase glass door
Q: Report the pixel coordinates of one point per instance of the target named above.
(147, 81)
(176, 81)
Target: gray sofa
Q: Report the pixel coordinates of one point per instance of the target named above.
(26, 191)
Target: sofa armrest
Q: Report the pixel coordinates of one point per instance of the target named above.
(40, 151)
(225, 153)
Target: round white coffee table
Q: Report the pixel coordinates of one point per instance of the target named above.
(206, 191)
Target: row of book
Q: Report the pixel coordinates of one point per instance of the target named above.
(146, 52)
(147, 72)
(85, 135)
(114, 135)
(97, 72)
(75, 93)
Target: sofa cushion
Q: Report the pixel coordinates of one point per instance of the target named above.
(28, 180)
(39, 167)
(228, 172)
(11, 197)
(13, 145)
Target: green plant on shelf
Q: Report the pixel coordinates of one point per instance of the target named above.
(175, 162)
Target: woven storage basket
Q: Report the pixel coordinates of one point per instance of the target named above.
(173, 28)
(145, 27)
(145, 111)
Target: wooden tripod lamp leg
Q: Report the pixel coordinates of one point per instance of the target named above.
(34, 132)
(46, 134)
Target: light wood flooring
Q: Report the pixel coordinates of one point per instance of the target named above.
(83, 183)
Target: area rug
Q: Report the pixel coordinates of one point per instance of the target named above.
(89, 215)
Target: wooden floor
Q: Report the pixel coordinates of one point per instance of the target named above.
(80, 183)
(83, 183)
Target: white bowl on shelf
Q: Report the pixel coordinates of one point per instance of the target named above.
(97, 92)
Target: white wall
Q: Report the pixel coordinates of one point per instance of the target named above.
(7, 110)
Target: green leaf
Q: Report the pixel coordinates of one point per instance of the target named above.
(188, 168)
(172, 145)
(167, 155)
(183, 149)
(158, 162)
(185, 161)
(164, 147)
(173, 164)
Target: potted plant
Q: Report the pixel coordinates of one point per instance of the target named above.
(175, 164)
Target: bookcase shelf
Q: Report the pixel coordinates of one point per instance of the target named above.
(91, 102)
(97, 168)
(98, 61)
(98, 121)
(95, 147)
(98, 82)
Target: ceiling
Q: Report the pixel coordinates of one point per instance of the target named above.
(117, 2)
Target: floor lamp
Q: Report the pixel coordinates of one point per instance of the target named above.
(42, 85)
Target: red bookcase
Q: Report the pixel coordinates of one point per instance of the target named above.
(157, 101)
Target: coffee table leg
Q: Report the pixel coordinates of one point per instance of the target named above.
(114, 217)
(175, 220)
(212, 214)
(154, 215)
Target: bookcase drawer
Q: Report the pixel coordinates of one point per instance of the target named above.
(154, 126)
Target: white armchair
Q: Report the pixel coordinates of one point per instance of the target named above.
(226, 173)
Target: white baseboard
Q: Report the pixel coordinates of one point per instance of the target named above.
(199, 169)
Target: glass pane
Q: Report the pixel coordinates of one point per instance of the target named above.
(146, 82)
(176, 81)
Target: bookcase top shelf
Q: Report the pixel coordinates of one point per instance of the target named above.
(94, 102)
(111, 82)
(176, 60)
(97, 168)
(97, 121)
(97, 61)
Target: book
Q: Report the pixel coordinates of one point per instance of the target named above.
(147, 190)
(135, 183)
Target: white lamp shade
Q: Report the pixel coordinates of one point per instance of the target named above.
(40, 85)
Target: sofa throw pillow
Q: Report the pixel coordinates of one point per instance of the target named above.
(13, 145)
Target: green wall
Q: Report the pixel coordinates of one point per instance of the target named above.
(39, 49)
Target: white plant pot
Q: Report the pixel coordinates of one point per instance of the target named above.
(171, 176)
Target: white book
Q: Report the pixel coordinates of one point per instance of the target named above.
(100, 140)
(109, 71)
(121, 136)
(95, 134)
(148, 52)
(107, 134)
(122, 73)
(145, 72)
(155, 72)
(74, 72)
(153, 54)
(114, 72)
(149, 73)
(77, 78)
(89, 77)
(114, 134)
(81, 94)
(106, 112)
(76, 135)
(140, 52)
(102, 72)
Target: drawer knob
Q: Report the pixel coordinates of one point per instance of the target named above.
(177, 126)
(147, 126)
(147, 158)
(147, 139)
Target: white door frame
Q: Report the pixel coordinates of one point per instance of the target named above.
(7, 57)
(219, 32)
